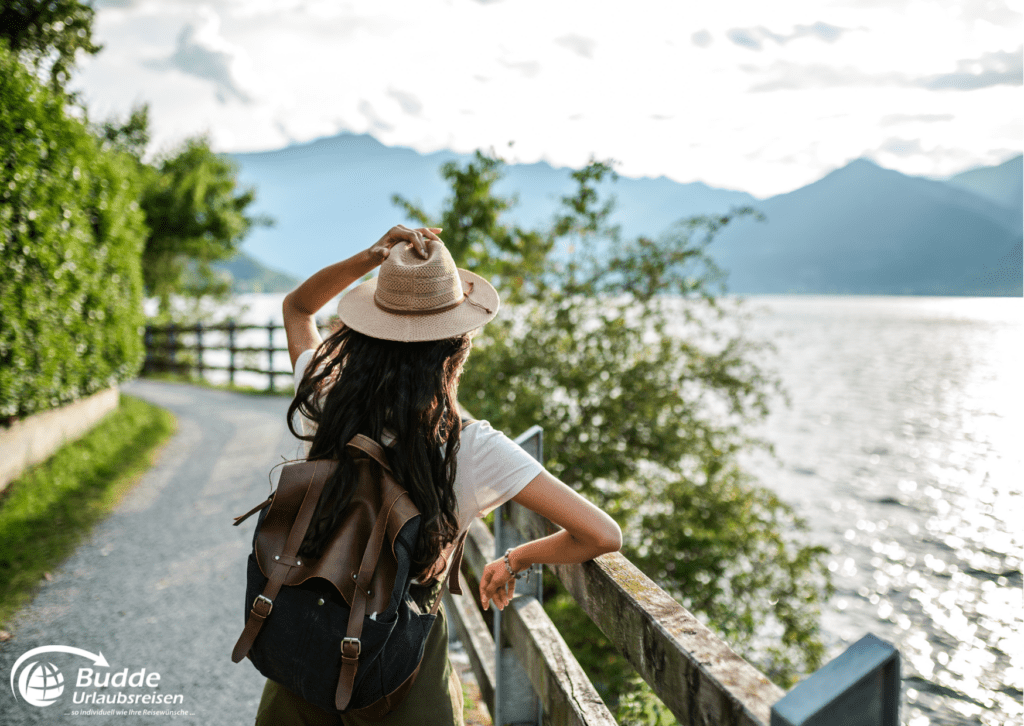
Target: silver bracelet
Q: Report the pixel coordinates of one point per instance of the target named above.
(517, 575)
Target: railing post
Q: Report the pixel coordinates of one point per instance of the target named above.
(199, 349)
(860, 686)
(172, 346)
(231, 352)
(148, 342)
(270, 355)
(515, 701)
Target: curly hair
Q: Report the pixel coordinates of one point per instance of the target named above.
(356, 384)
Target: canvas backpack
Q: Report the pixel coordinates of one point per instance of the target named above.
(341, 631)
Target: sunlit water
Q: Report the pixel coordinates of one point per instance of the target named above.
(902, 450)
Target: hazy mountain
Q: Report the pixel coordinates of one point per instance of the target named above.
(867, 230)
(1003, 184)
(332, 197)
(861, 229)
(250, 275)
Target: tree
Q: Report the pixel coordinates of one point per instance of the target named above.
(474, 233)
(196, 214)
(46, 35)
(645, 386)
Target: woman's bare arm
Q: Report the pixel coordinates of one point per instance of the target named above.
(301, 304)
(587, 532)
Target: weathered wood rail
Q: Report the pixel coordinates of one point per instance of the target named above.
(694, 673)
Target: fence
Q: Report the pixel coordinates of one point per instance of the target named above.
(527, 673)
(187, 349)
(525, 670)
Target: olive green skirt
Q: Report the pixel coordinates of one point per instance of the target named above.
(435, 698)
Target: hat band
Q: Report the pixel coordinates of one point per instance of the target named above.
(434, 311)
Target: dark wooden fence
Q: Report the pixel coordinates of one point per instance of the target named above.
(186, 349)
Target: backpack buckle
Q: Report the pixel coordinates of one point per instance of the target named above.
(268, 601)
(355, 641)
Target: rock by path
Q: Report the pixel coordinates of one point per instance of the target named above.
(160, 583)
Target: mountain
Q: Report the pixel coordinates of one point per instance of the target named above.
(1003, 184)
(250, 275)
(332, 197)
(861, 229)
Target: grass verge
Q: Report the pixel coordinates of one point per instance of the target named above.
(46, 512)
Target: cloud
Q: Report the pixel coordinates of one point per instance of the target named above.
(530, 69)
(795, 76)
(202, 52)
(581, 46)
(754, 38)
(409, 103)
(894, 119)
(701, 39)
(376, 122)
(999, 68)
(901, 147)
(991, 69)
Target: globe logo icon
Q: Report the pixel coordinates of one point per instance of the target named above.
(41, 683)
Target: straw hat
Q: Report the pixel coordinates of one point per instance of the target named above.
(415, 299)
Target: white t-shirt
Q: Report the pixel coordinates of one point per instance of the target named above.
(490, 467)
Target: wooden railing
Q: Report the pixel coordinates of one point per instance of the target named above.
(527, 674)
(186, 349)
(525, 670)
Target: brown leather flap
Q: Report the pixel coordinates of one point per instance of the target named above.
(344, 553)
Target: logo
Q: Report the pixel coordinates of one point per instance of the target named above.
(41, 682)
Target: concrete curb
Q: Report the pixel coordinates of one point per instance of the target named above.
(37, 437)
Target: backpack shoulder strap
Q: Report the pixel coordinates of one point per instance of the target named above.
(263, 604)
(369, 447)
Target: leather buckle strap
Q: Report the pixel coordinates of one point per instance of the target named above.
(350, 641)
(261, 600)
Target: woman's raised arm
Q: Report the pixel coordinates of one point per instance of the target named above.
(587, 532)
(301, 304)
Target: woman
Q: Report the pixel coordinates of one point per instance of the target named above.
(391, 372)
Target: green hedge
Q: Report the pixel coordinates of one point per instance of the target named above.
(71, 237)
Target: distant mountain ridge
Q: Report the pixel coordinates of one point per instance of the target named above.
(250, 275)
(861, 229)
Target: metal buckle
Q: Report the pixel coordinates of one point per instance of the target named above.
(359, 645)
(265, 599)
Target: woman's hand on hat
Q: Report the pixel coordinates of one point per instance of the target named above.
(497, 585)
(399, 234)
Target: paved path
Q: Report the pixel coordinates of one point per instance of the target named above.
(159, 585)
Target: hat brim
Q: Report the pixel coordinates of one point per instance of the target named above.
(358, 311)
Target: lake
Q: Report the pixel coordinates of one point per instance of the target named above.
(902, 450)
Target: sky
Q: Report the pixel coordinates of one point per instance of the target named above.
(759, 96)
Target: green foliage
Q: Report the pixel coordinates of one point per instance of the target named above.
(47, 34)
(46, 511)
(196, 214)
(71, 237)
(645, 385)
(508, 255)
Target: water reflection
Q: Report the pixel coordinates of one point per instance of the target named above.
(902, 450)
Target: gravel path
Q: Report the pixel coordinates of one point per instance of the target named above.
(159, 584)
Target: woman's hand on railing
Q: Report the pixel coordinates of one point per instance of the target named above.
(497, 585)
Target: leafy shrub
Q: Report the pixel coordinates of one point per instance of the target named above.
(71, 236)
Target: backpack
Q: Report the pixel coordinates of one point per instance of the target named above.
(341, 631)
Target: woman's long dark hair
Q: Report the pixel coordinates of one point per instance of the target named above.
(356, 384)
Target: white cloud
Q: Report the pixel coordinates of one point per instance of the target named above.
(202, 52)
(663, 86)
